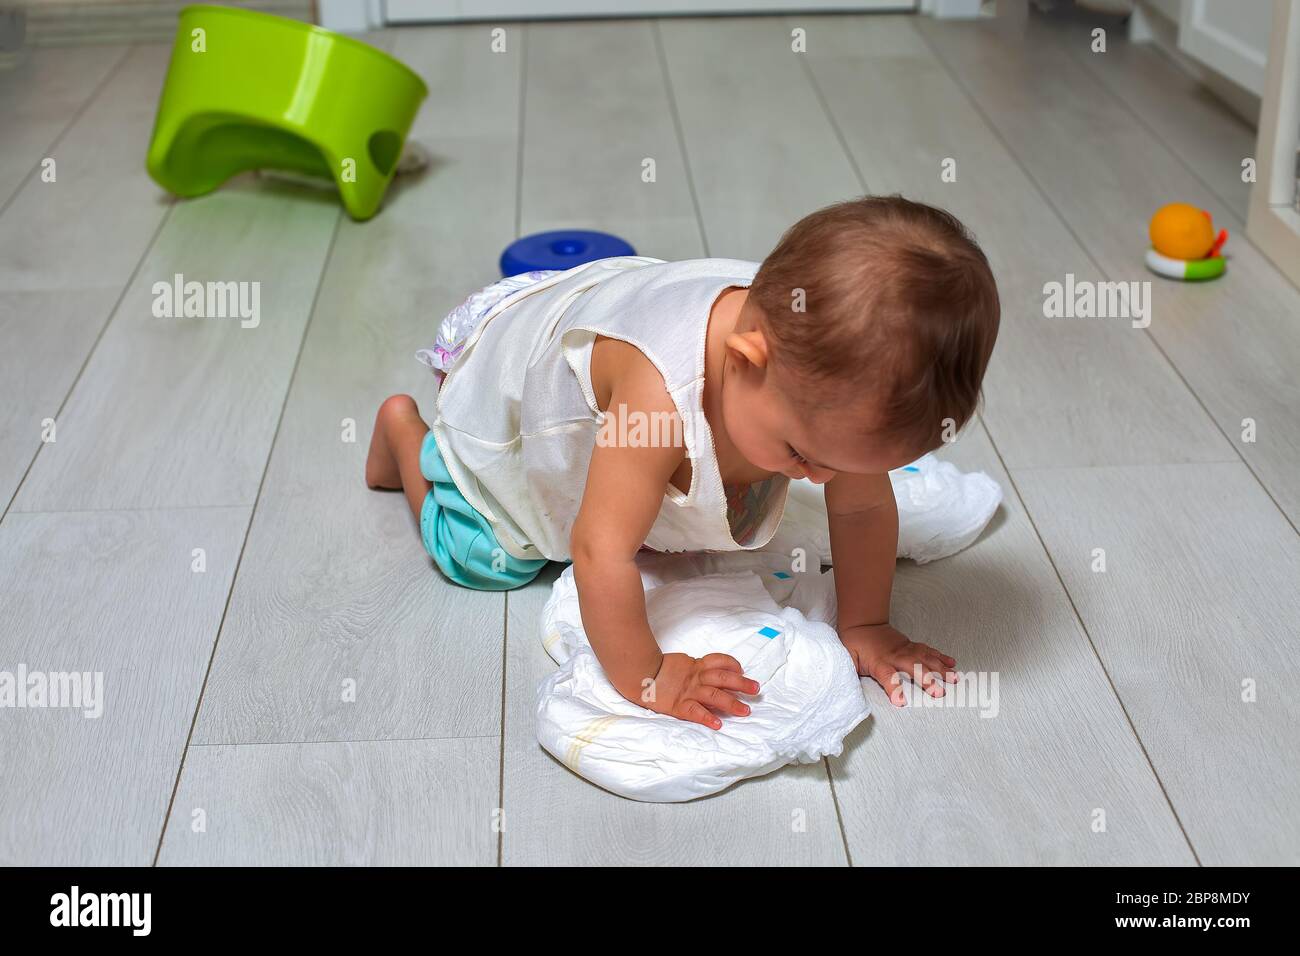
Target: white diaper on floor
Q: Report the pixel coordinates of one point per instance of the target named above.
(940, 511)
(810, 697)
(754, 605)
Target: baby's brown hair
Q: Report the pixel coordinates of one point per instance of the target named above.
(898, 304)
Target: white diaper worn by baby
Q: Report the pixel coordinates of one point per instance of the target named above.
(774, 613)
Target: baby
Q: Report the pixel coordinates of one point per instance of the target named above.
(633, 403)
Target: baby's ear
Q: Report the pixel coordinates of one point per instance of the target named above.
(750, 346)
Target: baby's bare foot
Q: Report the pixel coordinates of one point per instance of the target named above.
(381, 463)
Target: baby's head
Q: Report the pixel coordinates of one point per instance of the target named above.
(863, 341)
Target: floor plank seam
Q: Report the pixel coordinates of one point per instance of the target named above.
(80, 112)
(501, 761)
(839, 813)
(180, 769)
(671, 94)
(1074, 609)
(248, 527)
(133, 510)
(90, 353)
(519, 131)
(1039, 469)
(835, 126)
(520, 128)
(1178, 154)
(341, 740)
(1064, 220)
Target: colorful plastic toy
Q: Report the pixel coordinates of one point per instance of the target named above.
(561, 249)
(1183, 244)
(249, 90)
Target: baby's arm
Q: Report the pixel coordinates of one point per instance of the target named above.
(625, 487)
(863, 519)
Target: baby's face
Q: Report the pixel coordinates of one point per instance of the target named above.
(773, 434)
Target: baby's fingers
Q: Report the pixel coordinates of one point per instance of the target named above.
(721, 700)
(924, 674)
(939, 661)
(720, 662)
(892, 682)
(729, 680)
(935, 664)
(697, 713)
(933, 683)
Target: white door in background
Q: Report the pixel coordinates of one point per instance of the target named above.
(425, 11)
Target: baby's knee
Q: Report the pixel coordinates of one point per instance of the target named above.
(398, 407)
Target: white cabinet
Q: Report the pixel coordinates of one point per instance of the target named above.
(1230, 36)
(1274, 223)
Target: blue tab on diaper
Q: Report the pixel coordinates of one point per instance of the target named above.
(910, 468)
(768, 632)
(780, 574)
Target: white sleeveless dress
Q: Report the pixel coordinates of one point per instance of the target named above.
(517, 418)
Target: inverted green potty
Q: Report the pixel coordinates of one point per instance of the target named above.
(249, 90)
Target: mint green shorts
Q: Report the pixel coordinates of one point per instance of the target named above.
(459, 539)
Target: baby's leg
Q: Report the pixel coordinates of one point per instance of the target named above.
(394, 459)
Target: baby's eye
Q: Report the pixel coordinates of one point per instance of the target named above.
(796, 456)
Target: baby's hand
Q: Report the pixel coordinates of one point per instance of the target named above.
(882, 653)
(692, 688)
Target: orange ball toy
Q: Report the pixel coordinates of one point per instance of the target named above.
(1180, 231)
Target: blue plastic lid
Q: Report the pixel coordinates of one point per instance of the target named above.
(561, 249)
